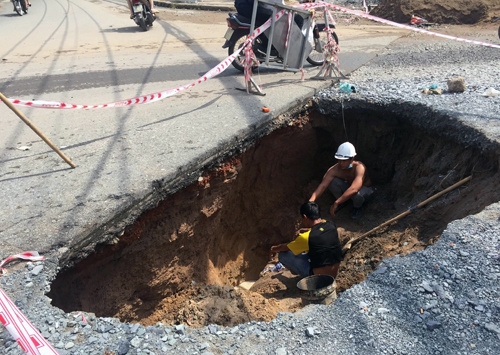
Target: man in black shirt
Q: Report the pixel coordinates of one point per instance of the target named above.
(245, 8)
(316, 250)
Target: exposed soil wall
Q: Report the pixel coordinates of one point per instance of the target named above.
(179, 262)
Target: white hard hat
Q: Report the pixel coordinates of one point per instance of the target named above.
(346, 151)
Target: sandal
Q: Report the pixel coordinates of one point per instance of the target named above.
(131, 16)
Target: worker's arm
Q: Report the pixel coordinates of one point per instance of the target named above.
(279, 248)
(327, 179)
(356, 185)
(297, 246)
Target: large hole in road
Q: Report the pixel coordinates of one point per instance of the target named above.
(181, 261)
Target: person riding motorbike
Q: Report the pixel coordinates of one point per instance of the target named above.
(151, 7)
(26, 5)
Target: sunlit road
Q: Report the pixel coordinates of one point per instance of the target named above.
(90, 52)
(72, 45)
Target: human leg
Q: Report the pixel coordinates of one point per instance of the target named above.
(297, 264)
(129, 3)
(337, 187)
(359, 199)
(152, 7)
(362, 196)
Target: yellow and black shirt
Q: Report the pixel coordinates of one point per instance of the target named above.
(321, 243)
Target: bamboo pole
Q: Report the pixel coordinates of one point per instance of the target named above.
(349, 244)
(36, 130)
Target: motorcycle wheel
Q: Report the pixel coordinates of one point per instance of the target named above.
(318, 58)
(18, 8)
(238, 61)
(142, 22)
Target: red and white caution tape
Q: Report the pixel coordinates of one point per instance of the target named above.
(391, 23)
(331, 49)
(146, 99)
(249, 62)
(21, 329)
(27, 255)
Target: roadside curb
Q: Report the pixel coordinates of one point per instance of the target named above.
(195, 6)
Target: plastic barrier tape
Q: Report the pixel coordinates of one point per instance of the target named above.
(391, 23)
(27, 255)
(146, 99)
(19, 327)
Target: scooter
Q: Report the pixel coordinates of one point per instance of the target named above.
(239, 28)
(20, 6)
(142, 14)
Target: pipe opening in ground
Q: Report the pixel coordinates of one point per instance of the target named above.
(181, 262)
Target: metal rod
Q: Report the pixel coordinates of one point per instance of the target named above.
(405, 213)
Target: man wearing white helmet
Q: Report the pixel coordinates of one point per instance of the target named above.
(347, 180)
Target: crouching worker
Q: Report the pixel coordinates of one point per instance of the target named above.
(316, 250)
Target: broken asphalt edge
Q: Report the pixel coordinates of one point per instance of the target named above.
(84, 244)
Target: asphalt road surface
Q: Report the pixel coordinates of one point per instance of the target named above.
(90, 52)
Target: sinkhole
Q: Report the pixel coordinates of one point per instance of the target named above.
(197, 257)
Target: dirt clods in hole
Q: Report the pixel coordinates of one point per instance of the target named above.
(182, 261)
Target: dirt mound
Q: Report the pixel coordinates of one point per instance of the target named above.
(449, 12)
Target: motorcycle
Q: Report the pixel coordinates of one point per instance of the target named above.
(239, 28)
(20, 6)
(142, 14)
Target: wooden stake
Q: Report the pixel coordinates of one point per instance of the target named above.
(36, 130)
(404, 214)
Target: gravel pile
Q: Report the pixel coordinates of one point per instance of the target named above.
(405, 68)
(443, 300)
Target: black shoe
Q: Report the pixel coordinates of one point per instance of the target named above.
(356, 213)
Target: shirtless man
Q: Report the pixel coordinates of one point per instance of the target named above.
(346, 180)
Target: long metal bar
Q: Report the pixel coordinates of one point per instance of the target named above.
(287, 50)
(304, 40)
(271, 34)
(36, 130)
(254, 13)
